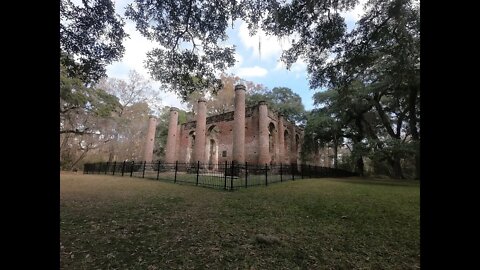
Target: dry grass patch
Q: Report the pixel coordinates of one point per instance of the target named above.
(129, 223)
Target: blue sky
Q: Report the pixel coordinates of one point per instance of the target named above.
(253, 65)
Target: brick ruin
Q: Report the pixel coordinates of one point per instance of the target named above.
(149, 142)
(255, 135)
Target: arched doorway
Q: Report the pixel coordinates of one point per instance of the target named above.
(212, 147)
(191, 143)
(272, 142)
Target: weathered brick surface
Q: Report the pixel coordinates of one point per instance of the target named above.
(239, 125)
(149, 141)
(263, 133)
(218, 137)
(172, 136)
(200, 130)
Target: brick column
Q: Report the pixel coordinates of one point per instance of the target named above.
(201, 123)
(178, 150)
(150, 140)
(263, 143)
(281, 138)
(238, 151)
(170, 152)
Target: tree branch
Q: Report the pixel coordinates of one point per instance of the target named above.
(77, 132)
(384, 117)
(64, 111)
(187, 17)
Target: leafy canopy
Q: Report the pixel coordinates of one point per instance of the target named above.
(91, 37)
(191, 34)
(282, 100)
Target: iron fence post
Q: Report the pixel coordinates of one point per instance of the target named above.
(114, 166)
(225, 176)
(246, 174)
(144, 164)
(176, 169)
(123, 167)
(266, 175)
(198, 169)
(131, 168)
(231, 176)
(106, 168)
(281, 176)
(158, 169)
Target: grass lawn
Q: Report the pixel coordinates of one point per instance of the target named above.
(110, 222)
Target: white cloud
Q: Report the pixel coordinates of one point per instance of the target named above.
(299, 68)
(270, 46)
(353, 15)
(280, 65)
(236, 67)
(255, 71)
(238, 60)
(136, 48)
(240, 71)
(331, 57)
(171, 99)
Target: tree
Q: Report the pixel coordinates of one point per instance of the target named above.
(85, 118)
(379, 58)
(162, 130)
(321, 129)
(136, 90)
(138, 101)
(189, 35)
(282, 100)
(285, 101)
(382, 53)
(91, 37)
(130, 133)
(80, 105)
(344, 117)
(223, 100)
(393, 54)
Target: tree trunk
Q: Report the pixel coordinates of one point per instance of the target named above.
(335, 154)
(397, 167)
(84, 153)
(359, 168)
(111, 155)
(417, 165)
(64, 144)
(412, 101)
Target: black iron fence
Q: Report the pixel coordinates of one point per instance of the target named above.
(228, 175)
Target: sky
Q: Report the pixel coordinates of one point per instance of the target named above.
(259, 66)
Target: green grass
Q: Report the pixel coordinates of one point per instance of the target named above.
(215, 180)
(110, 222)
